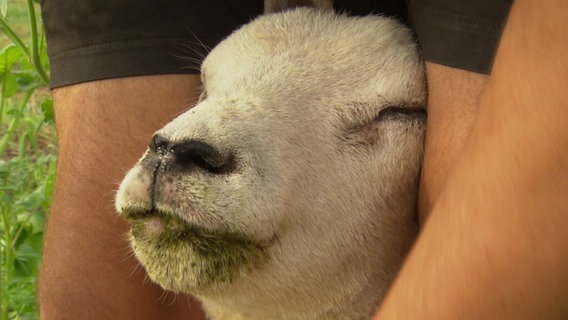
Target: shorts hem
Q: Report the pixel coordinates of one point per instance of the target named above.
(123, 58)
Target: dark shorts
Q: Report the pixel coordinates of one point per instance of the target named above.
(94, 40)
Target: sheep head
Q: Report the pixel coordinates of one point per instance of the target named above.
(290, 189)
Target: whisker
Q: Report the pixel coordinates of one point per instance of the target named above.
(207, 48)
(165, 295)
(135, 270)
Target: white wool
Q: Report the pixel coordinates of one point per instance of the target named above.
(329, 185)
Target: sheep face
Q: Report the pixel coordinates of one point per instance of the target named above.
(290, 187)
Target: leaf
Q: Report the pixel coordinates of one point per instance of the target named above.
(10, 85)
(47, 110)
(27, 80)
(8, 56)
(27, 256)
(15, 112)
(4, 168)
(3, 8)
(26, 65)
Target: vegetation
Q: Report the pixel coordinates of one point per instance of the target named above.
(27, 155)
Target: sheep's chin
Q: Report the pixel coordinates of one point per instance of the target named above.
(182, 257)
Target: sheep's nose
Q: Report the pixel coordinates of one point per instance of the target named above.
(159, 145)
(192, 153)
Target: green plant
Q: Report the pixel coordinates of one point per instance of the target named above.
(27, 159)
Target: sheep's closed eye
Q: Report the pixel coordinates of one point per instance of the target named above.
(371, 131)
(402, 114)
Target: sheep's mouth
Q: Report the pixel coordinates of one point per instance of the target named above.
(185, 257)
(164, 227)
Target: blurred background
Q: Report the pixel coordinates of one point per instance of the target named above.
(27, 155)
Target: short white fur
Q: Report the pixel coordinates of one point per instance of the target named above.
(329, 185)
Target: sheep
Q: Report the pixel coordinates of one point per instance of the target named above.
(289, 190)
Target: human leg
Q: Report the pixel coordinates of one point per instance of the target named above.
(458, 40)
(88, 271)
(453, 96)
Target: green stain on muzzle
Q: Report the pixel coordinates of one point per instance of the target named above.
(187, 258)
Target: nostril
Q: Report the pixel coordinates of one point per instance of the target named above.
(203, 155)
(159, 144)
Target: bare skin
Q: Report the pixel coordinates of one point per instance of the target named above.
(453, 98)
(494, 246)
(88, 271)
(88, 116)
(481, 235)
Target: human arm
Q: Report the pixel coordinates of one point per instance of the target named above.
(494, 246)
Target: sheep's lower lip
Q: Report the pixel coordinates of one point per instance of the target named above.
(159, 225)
(167, 228)
(186, 257)
(152, 227)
